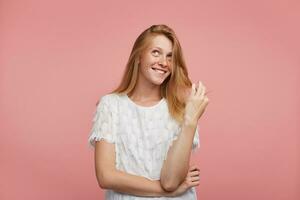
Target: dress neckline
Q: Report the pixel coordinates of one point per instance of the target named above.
(144, 107)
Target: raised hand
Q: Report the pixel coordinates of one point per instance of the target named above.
(196, 104)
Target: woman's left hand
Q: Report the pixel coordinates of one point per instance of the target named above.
(192, 179)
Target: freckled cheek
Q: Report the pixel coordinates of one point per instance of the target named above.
(147, 67)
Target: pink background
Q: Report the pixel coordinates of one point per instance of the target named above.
(58, 57)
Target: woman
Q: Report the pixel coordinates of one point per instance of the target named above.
(144, 131)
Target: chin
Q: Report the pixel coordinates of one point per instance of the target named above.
(158, 82)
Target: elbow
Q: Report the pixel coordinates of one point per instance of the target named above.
(104, 179)
(102, 184)
(169, 185)
(169, 182)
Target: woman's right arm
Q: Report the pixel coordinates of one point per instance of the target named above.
(109, 177)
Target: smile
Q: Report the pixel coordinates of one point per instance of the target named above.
(158, 70)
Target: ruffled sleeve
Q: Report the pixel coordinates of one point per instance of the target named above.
(102, 123)
(195, 145)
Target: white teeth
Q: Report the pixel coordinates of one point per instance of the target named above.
(159, 71)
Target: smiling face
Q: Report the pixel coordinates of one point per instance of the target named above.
(155, 62)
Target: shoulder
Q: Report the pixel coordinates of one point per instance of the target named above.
(109, 100)
(110, 97)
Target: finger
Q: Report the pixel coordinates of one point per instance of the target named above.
(206, 100)
(203, 91)
(195, 183)
(193, 88)
(193, 167)
(195, 178)
(194, 173)
(199, 88)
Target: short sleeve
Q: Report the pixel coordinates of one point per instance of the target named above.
(195, 144)
(102, 123)
(196, 141)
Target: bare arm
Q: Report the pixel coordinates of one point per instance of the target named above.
(109, 177)
(176, 165)
(177, 162)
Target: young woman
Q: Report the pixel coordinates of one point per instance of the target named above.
(144, 131)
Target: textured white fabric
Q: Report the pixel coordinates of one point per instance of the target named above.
(142, 136)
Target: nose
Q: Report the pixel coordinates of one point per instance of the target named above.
(163, 61)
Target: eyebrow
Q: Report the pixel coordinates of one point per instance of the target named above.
(170, 53)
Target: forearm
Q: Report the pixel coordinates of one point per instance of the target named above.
(176, 165)
(134, 185)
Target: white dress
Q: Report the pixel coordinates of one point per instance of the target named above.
(142, 136)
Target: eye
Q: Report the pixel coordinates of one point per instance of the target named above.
(155, 52)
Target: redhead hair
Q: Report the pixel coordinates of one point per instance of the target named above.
(175, 87)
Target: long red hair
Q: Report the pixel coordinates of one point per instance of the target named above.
(175, 87)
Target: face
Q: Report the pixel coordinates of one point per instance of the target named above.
(155, 61)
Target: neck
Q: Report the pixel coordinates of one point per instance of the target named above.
(146, 92)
